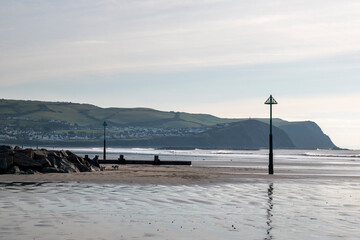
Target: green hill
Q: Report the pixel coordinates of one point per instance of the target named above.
(248, 134)
(87, 115)
(223, 133)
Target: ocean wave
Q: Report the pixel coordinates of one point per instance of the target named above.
(224, 152)
(142, 149)
(331, 155)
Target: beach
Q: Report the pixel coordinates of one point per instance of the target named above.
(148, 174)
(209, 166)
(223, 195)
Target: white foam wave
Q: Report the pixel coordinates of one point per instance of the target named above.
(332, 155)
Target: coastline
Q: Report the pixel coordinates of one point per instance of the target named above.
(172, 175)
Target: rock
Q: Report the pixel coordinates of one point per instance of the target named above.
(5, 149)
(51, 170)
(52, 161)
(38, 154)
(54, 158)
(44, 162)
(67, 166)
(29, 171)
(14, 170)
(76, 159)
(83, 168)
(28, 161)
(28, 152)
(58, 161)
(24, 161)
(54, 154)
(87, 159)
(65, 154)
(6, 162)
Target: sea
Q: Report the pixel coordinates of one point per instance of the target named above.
(325, 205)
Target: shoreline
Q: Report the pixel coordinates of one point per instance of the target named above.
(173, 175)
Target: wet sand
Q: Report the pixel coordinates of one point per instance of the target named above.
(144, 174)
(225, 201)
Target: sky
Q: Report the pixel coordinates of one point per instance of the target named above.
(221, 57)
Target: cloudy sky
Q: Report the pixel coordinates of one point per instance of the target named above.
(223, 57)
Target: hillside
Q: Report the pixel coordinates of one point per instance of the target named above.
(248, 134)
(86, 115)
(60, 123)
(304, 135)
(307, 135)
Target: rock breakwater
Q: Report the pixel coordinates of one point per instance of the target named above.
(30, 161)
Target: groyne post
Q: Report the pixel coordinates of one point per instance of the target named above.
(156, 160)
(121, 159)
(270, 101)
(104, 124)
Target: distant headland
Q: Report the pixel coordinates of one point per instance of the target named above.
(73, 124)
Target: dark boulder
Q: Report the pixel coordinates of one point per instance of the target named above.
(54, 154)
(14, 170)
(83, 167)
(51, 170)
(76, 159)
(38, 154)
(28, 171)
(52, 161)
(62, 153)
(28, 152)
(67, 166)
(6, 162)
(24, 161)
(55, 158)
(29, 161)
(44, 162)
(5, 149)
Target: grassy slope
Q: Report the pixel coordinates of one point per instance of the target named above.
(302, 134)
(90, 115)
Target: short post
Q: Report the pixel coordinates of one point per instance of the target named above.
(104, 124)
(156, 160)
(270, 101)
(121, 159)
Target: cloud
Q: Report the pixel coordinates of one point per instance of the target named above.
(88, 42)
(46, 40)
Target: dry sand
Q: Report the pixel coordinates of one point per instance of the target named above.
(143, 174)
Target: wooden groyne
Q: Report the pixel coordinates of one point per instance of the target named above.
(156, 161)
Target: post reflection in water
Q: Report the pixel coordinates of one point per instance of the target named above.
(269, 214)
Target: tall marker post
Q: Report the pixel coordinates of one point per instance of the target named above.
(104, 124)
(270, 102)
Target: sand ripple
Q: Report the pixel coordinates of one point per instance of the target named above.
(266, 209)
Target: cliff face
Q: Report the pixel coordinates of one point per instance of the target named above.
(307, 135)
(249, 134)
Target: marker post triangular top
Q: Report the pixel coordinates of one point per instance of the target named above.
(270, 101)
